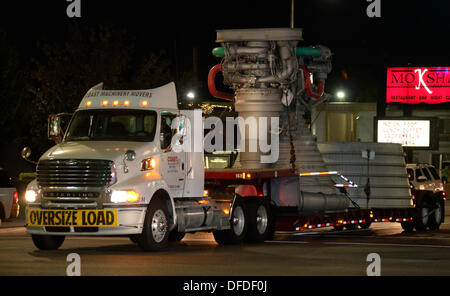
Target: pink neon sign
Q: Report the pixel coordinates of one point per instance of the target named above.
(413, 85)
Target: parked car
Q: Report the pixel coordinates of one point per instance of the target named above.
(9, 198)
(425, 181)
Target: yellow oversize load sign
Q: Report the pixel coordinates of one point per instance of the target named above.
(77, 218)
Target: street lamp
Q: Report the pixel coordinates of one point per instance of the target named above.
(340, 94)
(190, 95)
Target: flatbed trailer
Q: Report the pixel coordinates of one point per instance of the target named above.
(290, 219)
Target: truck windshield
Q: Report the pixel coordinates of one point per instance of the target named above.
(117, 125)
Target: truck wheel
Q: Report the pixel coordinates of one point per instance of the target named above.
(258, 221)
(47, 242)
(175, 236)
(155, 234)
(238, 222)
(435, 219)
(407, 226)
(422, 220)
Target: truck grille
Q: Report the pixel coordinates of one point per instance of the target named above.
(74, 172)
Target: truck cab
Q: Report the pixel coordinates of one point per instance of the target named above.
(122, 168)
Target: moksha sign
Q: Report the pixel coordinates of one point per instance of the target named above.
(413, 85)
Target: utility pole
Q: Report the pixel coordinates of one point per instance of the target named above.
(292, 14)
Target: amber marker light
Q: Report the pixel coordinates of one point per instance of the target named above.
(115, 103)
(88, 104)
(144, 103)
(105, 103)
(126, 103)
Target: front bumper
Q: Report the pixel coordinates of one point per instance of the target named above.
(130, 221)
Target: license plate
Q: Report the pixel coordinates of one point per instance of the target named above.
(76, 218)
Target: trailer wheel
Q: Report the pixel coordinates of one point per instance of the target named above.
(155, 234)
(365, 225)
(238, 222)
(175, 236)
(435, 218)
(47, 242)
(350, 226)
(407, 226)
(422, 220)
(258, 221)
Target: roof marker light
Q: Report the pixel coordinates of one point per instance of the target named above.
(126, 103)
(115, 103)
(105, 103)
(144, 103)
(88, 104)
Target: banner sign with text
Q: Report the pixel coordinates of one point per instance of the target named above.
(414, 85)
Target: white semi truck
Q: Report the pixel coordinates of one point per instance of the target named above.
(131, 164)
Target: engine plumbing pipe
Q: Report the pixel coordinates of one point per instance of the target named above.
(308, 89)
(299, 51)
(212, 85)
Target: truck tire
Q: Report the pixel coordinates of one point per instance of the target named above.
(175, 236)
(258, 221)
(421, 222)
(238, 222)
(47, 242)
(435, 219)
(155, 234)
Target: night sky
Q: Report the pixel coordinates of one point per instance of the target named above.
(408, 33)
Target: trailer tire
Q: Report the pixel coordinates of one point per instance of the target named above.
(421, 222)
(238, 222)
(258, 221)
(175, 236)
(435, 219)
(365, 225)
(407, 226)
(350, 226)
(47, 242)
(155, 234)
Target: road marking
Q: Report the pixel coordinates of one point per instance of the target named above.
(12, 229)
(362, 244)
(388, 245)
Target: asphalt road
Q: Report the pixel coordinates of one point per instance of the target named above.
(323, 252)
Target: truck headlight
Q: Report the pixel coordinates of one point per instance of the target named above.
(118, 196)
(30, 196)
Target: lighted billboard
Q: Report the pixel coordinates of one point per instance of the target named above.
(409, 133)
(413, 85)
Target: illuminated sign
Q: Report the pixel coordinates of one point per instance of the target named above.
(413, 85)
(409, 133)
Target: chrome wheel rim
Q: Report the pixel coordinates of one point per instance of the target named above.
(238, 221)
(159, 226)
(261, 219)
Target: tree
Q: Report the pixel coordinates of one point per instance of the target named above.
(66, 72)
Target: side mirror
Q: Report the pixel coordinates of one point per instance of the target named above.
(25, 153)
(421, 179)
(57, 125)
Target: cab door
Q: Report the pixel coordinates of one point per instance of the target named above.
(173, 167)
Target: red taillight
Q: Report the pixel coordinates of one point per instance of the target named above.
(15, 197)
